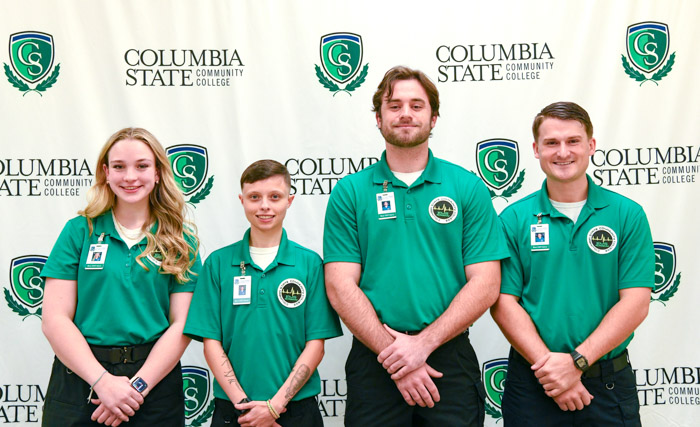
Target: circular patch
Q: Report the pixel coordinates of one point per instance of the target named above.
(155, 257)
(443, 210)
(602, 239)
(291, 293)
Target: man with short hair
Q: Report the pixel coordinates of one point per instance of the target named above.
(572, 296)
(261, 310)
(409, 280)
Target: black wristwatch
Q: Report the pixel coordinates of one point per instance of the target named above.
(139, 384)
(237, 411)
(580, 360)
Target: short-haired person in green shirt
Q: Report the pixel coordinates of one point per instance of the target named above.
(261, 309)
(575, 288)
(119, 281)
(409, 277)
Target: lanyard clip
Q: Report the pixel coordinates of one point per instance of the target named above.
(385, 186)
(242, 268)
(539, 218)
(101, 238)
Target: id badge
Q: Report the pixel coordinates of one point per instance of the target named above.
(96, 256)
(386, 206)
(242, 286)
(539, 237)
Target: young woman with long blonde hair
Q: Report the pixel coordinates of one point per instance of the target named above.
(119, 281)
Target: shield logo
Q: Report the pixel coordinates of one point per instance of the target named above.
(647, 45)
(665, 265)
(189, 163)
(341, 55)
(494, 373)
(497, 161)
(31, 54)
(26, 284)
(196, 384)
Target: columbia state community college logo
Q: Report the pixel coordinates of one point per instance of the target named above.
(647, 49)
(26, 286)
(494, 374)
(341, 58)
(32, 57)
(196, 383)
(190, 164)
(497, 161)
(665, 285)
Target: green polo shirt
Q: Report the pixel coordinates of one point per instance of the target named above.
(412, 265)
(121, 304)
(263, 339)
(568, 289)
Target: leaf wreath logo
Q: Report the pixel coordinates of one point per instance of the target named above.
(32, 57)
(647, 49)
(665, 286)
(494, 374)
(341, 58)
(196, 383)
(190, 165)
(26, 285)
(497, 161)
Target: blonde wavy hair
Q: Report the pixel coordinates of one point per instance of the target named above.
(167, 209)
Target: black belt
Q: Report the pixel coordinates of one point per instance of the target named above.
(412, 333)
(125, 354)
(594, 371)
(619, 363)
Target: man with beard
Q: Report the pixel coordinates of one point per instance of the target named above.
(410, 280)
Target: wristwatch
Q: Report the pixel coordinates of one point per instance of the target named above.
(580, 360)
(238, 412)
(139, 384)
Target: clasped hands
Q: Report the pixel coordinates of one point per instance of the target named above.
(561, 381)
(117, 401)
(405, 359)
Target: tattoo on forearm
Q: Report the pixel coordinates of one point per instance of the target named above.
(298, 380)
(230, 375)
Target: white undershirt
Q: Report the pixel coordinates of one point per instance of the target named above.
(408, 177)
(262, 257)
(130, 236)
(572, 210)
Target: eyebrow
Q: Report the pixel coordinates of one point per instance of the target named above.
(137, 161)
(410, 100)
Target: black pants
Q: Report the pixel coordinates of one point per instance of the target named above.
(300, 413)
(66, 398)
(525, 403)
(374, 400)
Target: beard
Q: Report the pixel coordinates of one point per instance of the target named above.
(405, 140)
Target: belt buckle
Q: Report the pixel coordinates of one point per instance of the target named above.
(126, 354)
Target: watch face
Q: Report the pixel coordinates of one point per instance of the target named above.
(581, 363)
(139, 384)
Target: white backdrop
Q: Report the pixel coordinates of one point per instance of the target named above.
(238, 78)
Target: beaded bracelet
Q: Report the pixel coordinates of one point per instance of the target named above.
(274, 413)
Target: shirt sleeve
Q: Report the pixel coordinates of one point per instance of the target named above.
(321, 321)
(511, 268)
(340, 234)
(204, 317)
(637, 260)
(482, 235)
(64, 260)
